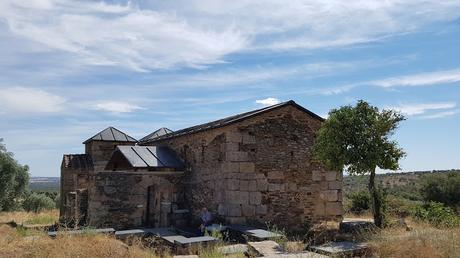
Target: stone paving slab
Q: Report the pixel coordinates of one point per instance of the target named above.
(298, 255)
(233, 249)
(265, 248)
(340, 249)
(259, 234)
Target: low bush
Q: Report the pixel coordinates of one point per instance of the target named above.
(400, 207)
(359, 202)
(436, 214)
(38, 202)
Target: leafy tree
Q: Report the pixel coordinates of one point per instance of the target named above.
(443, 188)
(357, 139)
(14, 179)
(37, 202)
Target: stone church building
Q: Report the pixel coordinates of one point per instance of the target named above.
(254, 167)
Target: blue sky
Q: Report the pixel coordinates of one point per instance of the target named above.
(69, 69)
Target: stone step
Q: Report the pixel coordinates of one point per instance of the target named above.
(342, 249)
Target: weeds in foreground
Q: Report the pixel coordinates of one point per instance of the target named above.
(41, 219)
(423, 241)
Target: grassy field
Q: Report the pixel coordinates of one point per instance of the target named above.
(422, 241)
(20, 242)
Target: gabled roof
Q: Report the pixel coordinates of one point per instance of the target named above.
(144, 157)
(77, 161)
(230, 120)
(111, 134)
(160, 132)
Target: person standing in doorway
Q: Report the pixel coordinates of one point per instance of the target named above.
(206, 219)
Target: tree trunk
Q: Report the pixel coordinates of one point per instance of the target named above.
(376, 201)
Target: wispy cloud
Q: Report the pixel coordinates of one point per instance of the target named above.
(268, 101)
(117, 107)
(422, 108)
(150, 35)
(441, 114)
(19, 100)
(420, 79)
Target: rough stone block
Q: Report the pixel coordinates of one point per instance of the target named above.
(232, 184)
(222, 210)
(331, 176)
(334, 208)
(247, 167)
(248, 210)
(292, 187)
(275, 175)
(252, 185)
(255, 198)
(243, 197)
(232, 197)
(232, 146)
(229, 167)
(249, 139)
(237, 156)
(335, 185)
(234, 137)
(244, 185)
(329, 195)
(320, 209)
(316, 175)
(234, 210)
(276, 187)
(261, 209)
(262, 184)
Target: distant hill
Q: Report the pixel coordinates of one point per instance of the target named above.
(44, 184)
(405, 184)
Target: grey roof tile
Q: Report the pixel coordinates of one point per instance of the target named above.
(111, 134)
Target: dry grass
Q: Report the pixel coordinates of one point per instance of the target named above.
(423, 241)
(21, 242)
(22, 217)
(15, 243)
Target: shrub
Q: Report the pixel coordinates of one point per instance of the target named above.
(38, 202)
(443, 188)
(436, 214)
(360, 201)
(400, 207)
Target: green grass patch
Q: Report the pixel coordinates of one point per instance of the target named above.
(41, 220)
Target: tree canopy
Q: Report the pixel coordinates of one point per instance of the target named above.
(358, 139)
(14, 179)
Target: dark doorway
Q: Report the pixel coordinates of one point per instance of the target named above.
(150, 216)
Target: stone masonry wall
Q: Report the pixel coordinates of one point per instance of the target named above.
(119, 199)
(260, 170)
(101, 151)
(73, 181)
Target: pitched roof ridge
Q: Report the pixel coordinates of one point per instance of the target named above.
(99, 136)
(229, 120)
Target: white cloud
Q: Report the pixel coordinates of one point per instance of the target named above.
(441, 114)
(19, 100)
(268, 101)
(143, 35)
(117, 107)
(421, 79)
(123, 36)
(418, 109)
